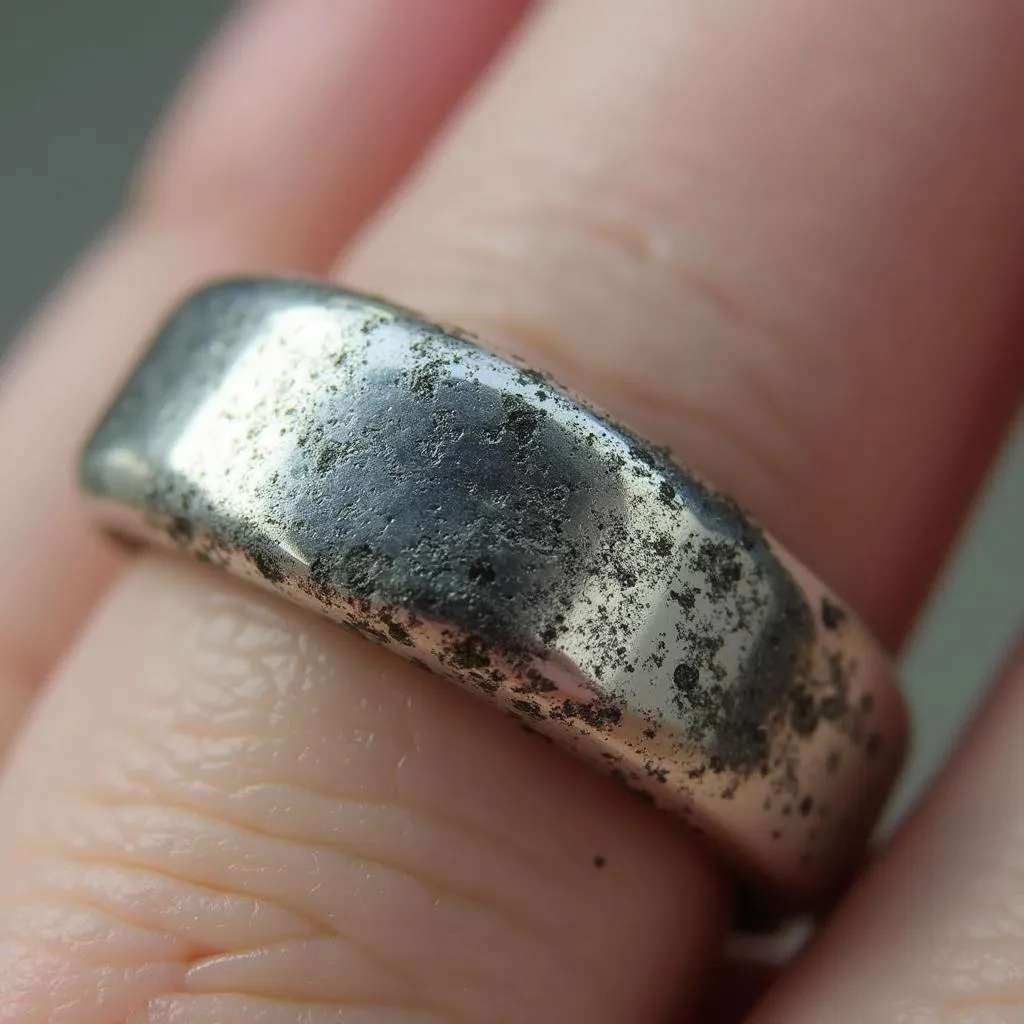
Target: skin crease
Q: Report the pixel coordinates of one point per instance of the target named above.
(356, 831)
(221, 810)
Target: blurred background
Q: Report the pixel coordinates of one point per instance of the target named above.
(81, 85)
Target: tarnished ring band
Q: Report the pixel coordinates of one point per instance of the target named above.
(471, 515)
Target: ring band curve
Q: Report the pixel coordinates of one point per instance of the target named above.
(473, 516)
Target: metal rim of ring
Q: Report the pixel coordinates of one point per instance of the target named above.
(475, 517)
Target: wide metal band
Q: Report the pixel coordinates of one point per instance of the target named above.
(471, 515)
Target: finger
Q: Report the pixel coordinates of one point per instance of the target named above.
(663, 958)
(649, 81)
(784, 239)
(935, 931)
(223, 808)
(296, 124)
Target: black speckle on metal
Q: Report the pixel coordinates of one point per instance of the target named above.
(479, 520)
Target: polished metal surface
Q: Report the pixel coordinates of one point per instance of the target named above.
(474, 517)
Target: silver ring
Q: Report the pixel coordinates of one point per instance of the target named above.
(471, 515)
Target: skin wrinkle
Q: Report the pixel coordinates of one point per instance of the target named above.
(104, 998)
(801, 210)
(355, 1004)
(179, 953)
(404, 728)
(469, 829)
(170, 973)
(56, 940)
(338, 1004)
(413, 996)
(158, 723)
(192, 954)
(202, 1009)
(101, 899)
(219, 964)
(495, 849)
(173, 878)
(495, 846)
(508, 914)
(318, 928)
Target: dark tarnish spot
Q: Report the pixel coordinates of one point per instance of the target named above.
(400, 634)
(662, 546)
(470, 652)
(718, 562)
(266, 565)
(444, 513)
(597, 715)
(535, 682)
(367, 629)
(833, 707)
(181, 530)
(521, 418)
(359, 570)
(626, 576)
(481, 571)
(685, 676)
(529, 708)
(462, 504)
(803, 715)
(832, 614)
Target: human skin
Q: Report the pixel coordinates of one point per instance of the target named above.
(787, 241)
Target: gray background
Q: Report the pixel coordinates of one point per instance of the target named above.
(81, 84)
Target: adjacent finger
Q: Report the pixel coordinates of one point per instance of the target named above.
(295, 125)
(225, 810)
(785, 239)
(935, 932)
